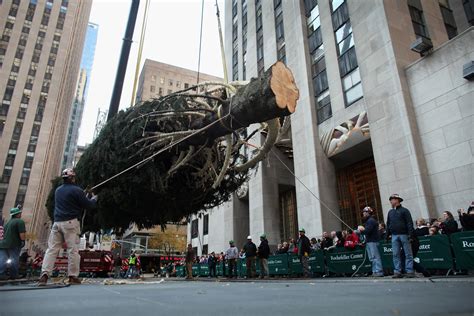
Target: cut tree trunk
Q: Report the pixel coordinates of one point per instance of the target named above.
(272, 95)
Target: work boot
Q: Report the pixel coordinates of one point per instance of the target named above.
(397, 276)
(410, 275)
(74, 280)
(43, 280)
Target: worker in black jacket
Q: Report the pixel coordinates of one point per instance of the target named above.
(263, 254)
(400, 227)
(371, 232)
(250, 250)
(304, 249)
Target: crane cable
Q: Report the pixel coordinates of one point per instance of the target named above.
(200, 43)
(140, 51)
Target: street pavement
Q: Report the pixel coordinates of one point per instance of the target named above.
(283, 297)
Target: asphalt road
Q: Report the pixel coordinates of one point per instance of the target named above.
(312, 297)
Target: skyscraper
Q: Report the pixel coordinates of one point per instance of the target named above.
(40, 55)
(80, 97)
(383, 109)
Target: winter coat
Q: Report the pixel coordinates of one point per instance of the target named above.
(399, 222)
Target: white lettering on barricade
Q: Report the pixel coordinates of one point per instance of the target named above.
(467, 244)
(387, 249)
(425, 247)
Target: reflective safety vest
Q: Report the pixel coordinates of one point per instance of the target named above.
(132, 261)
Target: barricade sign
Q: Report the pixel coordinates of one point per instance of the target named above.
(204, 270)
(315, 261)
(463, 247)
(278, 265)
(196, 269)
(434, 253)
(243, 267)
(347, 261)
(180, 271)
(385, 249)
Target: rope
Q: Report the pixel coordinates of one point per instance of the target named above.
(200, 41)
(144, 161)
(140, 51)
(299, 180)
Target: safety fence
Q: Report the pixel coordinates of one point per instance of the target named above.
(440, 252)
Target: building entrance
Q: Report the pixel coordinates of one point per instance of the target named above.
(357, 188)
(288, 215)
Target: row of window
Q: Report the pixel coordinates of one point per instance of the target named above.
(279, 30)
(235, 47)
(244, 39)
(259, 26)
(25, 101)
(195, 227)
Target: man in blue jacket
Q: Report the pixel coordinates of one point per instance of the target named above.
(400, 227)
(69, 202)
(371, 232)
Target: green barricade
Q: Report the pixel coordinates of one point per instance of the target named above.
(385, 249)
(278, 265)
(315, 261)
(343, 261)
(180, 271)
(434, 253)
(196, 269)
(243, 268)
(204, 270)
(463, 247)
(219, 270)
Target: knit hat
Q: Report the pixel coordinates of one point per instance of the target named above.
(302, 230)
(263, 236)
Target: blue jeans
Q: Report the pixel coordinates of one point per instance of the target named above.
(374, 257)
(14, 255)
(399, 242)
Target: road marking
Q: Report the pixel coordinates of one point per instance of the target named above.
(109, 290)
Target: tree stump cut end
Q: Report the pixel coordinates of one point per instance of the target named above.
(284, 87)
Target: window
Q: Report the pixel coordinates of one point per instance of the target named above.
(348, 62)
(170, 91)
(205, 250)
(340, 13)
(205, 225)
(178, 84)
(448, 18)
(10, 160)
(2, 126)
(20, 199)
(4, 110)
(323, 107)
(160, 91)
(344, 38)
(352, 87)
(162, 80)
(186, 85)
(279, 30)
(170, 82)
(418, 19)
(194, 229)
(152, 88)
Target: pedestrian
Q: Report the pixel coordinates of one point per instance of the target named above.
(10, 246)
(327, 241)
(421, 228)
(263, 254)
(315, 245)
(449, 224)
(400, 227)
(232, 254)
(132, 265)
(223, 260)
(190, 256)
(372, 238)
(250, 250)
(212, 263)
(69, 202)
(117, 267)
(304, 249)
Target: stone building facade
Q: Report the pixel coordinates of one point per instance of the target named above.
(40, 54)
(377, 114)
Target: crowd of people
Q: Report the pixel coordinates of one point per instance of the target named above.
(399, 229)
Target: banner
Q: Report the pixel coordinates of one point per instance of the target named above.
(196, 269)
(434, 253)
(463, 247)
(204, 270)
(342, 261)
(278, 265)
(316, 263)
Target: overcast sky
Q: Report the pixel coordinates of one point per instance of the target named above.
(172, 37)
